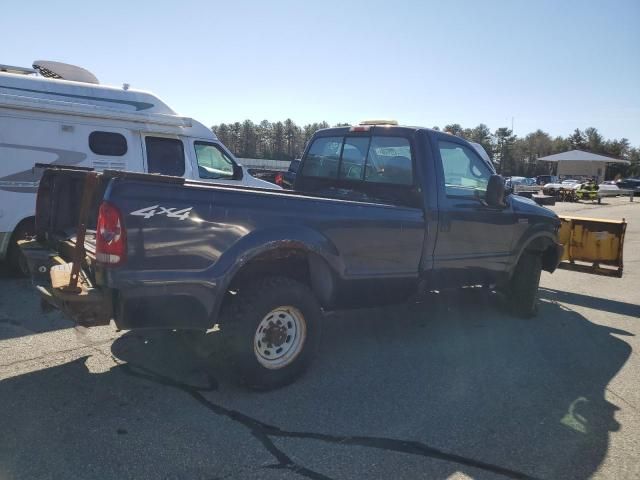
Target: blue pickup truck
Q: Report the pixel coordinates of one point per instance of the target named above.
(378, 214)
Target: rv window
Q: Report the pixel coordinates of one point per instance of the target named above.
(165, 156)
(212, 161)
(108, 143)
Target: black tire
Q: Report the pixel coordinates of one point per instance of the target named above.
(15, 258)
(242, 317)
(523, 291)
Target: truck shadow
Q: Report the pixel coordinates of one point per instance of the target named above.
(453, 379)
(604, 304)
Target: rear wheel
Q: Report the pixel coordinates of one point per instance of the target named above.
(15, 258)
(270, 332)
(523, 289)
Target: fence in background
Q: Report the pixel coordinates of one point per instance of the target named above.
(264, 164)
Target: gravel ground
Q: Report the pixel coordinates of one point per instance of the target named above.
(451, 388)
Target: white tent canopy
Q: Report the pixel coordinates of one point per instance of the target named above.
(580, 156)
(579, 164)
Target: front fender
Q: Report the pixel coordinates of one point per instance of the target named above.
(539, 240)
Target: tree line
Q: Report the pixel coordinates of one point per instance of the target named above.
(512, 155)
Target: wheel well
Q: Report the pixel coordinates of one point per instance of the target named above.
(28, 223)
(296, 263)
(25, 227)
(546, 248)
(284, 262)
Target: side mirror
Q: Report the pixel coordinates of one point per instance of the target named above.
(237, 172)
(495, 191)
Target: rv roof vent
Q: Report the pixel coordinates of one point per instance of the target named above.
(64, 71)
(21, 70)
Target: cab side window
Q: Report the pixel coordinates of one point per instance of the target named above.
(465, 173)
(165, 156)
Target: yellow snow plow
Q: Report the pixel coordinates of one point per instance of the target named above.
(592, 245)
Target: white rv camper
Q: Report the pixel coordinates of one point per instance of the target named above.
(59, 114)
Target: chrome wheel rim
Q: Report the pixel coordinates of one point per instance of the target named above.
(280, 337)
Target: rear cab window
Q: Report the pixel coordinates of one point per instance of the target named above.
(377, 168)
(374, 159)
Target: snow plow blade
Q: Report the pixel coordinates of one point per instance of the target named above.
(592, 245)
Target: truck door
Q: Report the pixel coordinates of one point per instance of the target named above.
(474, 243)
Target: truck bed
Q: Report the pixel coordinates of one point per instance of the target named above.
(187, 239)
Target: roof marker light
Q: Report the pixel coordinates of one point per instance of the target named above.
(379, 122)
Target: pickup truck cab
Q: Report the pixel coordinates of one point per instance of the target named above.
(378, 214)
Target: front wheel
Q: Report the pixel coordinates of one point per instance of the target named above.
(523, 289)
(270, 332)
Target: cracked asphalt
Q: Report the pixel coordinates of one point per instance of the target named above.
(453, 387)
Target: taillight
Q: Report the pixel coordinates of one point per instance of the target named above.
(279, 179)
(111, 239)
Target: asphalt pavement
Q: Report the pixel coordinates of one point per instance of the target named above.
(454, 387)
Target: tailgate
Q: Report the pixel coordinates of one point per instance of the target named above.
(61, 257)
(59, 203)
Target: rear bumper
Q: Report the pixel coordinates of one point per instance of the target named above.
(138, 303)
(88, 306)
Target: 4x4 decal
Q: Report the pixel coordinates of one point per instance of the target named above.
(149, 212)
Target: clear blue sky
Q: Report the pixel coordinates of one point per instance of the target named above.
(555, 65)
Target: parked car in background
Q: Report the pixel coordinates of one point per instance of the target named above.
(73, 120)
(608, 189)
(553, 188)
(528, 182)
(629, 184)
(513, 182)
(544, 179)
(289, 176)
(571, 181)
(379, 213)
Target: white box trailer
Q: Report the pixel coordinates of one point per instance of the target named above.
(59, 114)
